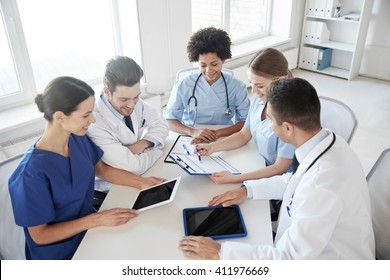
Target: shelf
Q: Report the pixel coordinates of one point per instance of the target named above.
(340, 19)
(335, 45)
(345, 36)
(334, 71)
(331, 71)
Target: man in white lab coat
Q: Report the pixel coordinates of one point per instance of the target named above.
(325, 213)
(129, 131)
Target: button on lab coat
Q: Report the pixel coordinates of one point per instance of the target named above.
(112, 135)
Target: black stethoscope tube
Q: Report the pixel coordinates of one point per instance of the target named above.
(313, 162)
(227, 111)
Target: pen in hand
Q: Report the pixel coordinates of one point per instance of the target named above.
(185, 148)
(197, 150)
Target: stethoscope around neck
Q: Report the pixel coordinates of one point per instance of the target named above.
(227, 112)
(288, 207)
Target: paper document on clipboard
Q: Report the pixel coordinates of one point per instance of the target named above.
(178, 147)
(205, 166)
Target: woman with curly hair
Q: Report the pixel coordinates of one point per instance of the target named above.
(209, 96)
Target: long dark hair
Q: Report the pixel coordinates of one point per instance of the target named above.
(62, 94)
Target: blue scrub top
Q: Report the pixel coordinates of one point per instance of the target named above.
(269, 146)
(48, 188)
(212, 101)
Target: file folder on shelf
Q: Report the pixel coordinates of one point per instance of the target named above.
(315, 58)
(321, 8)
(324, 58)
(316, 32)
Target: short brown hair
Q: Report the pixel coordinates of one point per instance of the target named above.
(295, 100)
(122, 71)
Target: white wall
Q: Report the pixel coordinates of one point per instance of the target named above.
(376, 56)
(164, 32)
(165, 27)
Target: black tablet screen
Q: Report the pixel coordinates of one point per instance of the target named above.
(154, 195)
(214, 222)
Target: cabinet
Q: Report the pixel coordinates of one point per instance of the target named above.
(334, 45)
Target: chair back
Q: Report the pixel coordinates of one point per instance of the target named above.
(338, 117)
(12, 239)
(379, 184)
(187, 71)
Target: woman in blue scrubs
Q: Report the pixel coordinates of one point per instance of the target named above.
(52, 188)
(208, 96)
(266, 66)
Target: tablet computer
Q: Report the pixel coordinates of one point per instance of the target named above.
(214, 221)
(157, 195)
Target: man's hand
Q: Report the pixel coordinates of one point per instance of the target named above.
(229, 198)
(140, 146)
(200, 247)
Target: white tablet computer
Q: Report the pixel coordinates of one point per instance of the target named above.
(157, 195)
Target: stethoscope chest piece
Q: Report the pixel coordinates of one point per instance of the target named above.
(228, 112)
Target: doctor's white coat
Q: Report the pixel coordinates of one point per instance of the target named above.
(325, 212)
(112, 136)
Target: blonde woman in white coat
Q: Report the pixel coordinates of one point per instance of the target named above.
(133, 149)
(325, 212)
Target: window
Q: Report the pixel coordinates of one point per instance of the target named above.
(43, 39)
(9, 83)
(244, 20)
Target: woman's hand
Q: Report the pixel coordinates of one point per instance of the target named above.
(150, 181)
(115, 216)
(224, 177)
(204, 149)
(204, 136)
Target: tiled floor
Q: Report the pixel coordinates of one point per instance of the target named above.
(370, 101)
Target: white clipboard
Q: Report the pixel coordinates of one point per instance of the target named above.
(177, 147)
(206, 165)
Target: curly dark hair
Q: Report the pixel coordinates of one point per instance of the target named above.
(209, 40)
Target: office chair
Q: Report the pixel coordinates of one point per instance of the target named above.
(12, 239)
(187, 71)
(379, 185)
(338, 117)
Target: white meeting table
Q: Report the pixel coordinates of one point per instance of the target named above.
(155, 233)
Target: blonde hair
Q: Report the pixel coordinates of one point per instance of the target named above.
(270, 63)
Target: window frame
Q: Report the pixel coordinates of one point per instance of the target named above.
(17, 43)
(18, 47)
(226, 23)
